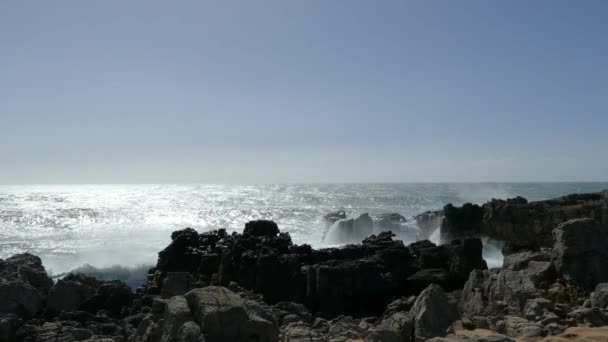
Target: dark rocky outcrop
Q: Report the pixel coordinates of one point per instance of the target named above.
(428, 222)
(522, 222)
(355, 279)
(580, 252)
(24, 285)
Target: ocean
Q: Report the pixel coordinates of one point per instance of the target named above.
(123, 227)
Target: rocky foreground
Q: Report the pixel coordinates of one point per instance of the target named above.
(259, 286)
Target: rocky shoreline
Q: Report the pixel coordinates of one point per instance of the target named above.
(258, 286)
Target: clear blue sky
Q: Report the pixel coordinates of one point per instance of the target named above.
(303, 91)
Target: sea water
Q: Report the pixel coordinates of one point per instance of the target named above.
(123, 227)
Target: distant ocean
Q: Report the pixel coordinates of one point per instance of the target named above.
(69, 226)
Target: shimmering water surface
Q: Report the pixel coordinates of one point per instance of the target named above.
(104, 225)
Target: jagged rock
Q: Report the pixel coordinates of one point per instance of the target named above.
(177, 313)
(182, 254)
(344, 330)
(224, 316)
(522, 329)
(540, 310)
(354, 279)
(433, 313)
(599, 297)
(506, 290)
(461, 222)
(398, 327)
(580, 253)
(521, 222)
(399, 305)
(27, 268)
(261, 228)
(589, 316)
(302, 332)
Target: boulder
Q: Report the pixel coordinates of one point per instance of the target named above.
(190, 332)
(599, 297)
(433, 313)
(177, 313)
(462, 222)
(579, 252)
(71, 292)
(521, 329)
(503, 291)
(261, 228)
(111, 296)
(20, 298)
(398, 327)
(27, 268)
(224, 316)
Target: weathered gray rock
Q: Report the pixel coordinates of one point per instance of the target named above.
(399, 327)
(177, 313)
(433, 313)
(522, 329)
(589, 316)
(302, 332)
(599, 297)
(225, 316)
(580, 253)
(190, 332)
(506, 290)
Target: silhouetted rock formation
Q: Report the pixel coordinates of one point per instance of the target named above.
(355, 279)
(516, 220)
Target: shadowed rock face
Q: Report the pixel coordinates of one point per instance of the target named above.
(355, 279)
(516, 220)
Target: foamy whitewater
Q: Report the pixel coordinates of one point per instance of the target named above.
(94, 227)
